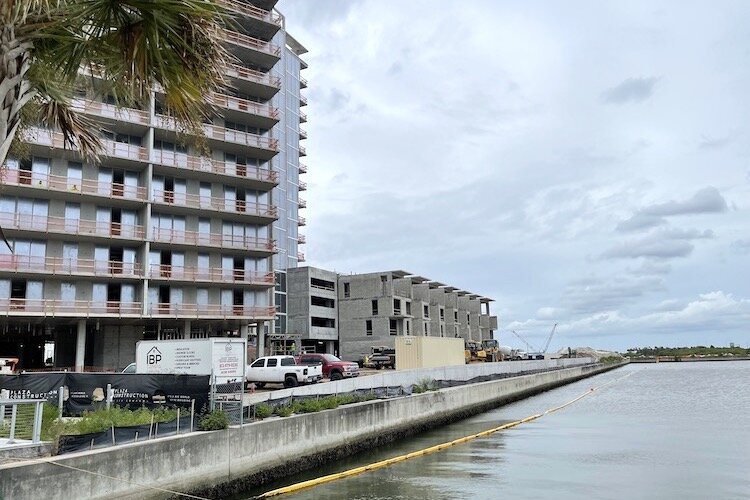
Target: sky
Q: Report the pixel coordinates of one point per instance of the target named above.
(581, 163)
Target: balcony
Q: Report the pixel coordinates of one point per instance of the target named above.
(210, 311)
(302, 203)
(301, 221)
(110, 149)
(264, 85)
(194, 238)
(244, 111)
(251, 11)
(302, 100)
(261, 52)
(111, 112)
(210, 275)
(300, 257)
(264, 176)
(302, 168)
(302, 117)
(69, 308)
(25, 264)
(45, 224)
(302, 151)
(301, 239)
(302, 134)
(264, 147)
(302, 83)
(198, 202)
(302, 186)
(74, 187)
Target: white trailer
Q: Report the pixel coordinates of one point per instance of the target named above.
(223, 357)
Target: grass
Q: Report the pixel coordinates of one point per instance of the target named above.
(424, 385)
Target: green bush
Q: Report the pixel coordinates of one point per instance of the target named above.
(284, 411)
(424, 385)
(214, 421)
(263, 410)
(610, 359)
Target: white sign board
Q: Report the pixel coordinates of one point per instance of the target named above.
(223, 356)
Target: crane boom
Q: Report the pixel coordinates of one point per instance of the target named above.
(528, 346)
(549, 339)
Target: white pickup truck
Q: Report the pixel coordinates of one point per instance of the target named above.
(281, 370)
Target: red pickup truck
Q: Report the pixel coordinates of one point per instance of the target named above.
(333, 367)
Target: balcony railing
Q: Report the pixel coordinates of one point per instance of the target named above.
(302, 82)
(301, 239)
(210, 310)
(111, 111)
(302, 117)
(163, 235)
(62, 266)
(302, 100)
(77, 308)
(302, 151)
(112, 149)
(251, 11)
(210, 274)
(302, 134)
(302, 203)
(213, 203)
(302, 168)
(230, 102)
(301, 221)
(302, 186)
(242, 73)
(16, 177)
(201, 164)
(47, 224)
(252, 43)
(301, 257)
(225, 134)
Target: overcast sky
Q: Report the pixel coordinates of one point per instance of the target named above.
(582, 163)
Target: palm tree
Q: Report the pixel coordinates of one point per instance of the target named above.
(126, 47)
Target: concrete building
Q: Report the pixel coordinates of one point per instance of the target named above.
(156, 241)
(372, 309)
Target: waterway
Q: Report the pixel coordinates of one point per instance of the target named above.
(668, 430)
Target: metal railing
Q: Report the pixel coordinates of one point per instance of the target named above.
(302, 82)
(48, 224)
(213, 203)
(301, 257)
(301, 221)
(302, 151)
(225, 134)
(301, 239)
(302, 117)
(302, 134)
(210, 310)
(252, 43)
(202, 164)
(231, 102)
(62, 266)
(165, 235)
(22, 307)
(105, 110)
(302, 168)
(302, 203)
(252, 11)
(111, 149)
(302, 186)
(109, 189)
(20, 421)
(236, 71)
(210, 274)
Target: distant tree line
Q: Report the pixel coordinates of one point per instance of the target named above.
(700, 350)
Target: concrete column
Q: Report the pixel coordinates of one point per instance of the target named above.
(329, 347)
(186, 329)
(244, 331)
(261, 340)
(80, 345)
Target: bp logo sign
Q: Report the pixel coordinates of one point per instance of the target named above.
(153, 356)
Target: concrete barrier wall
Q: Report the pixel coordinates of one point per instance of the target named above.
(395, 378)
(227, 461)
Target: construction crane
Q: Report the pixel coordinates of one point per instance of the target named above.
(532, 352)
(528, 346)
(549, 339)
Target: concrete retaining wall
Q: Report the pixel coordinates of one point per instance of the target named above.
(222, 462)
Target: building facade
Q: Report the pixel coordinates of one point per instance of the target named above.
(158, 240)
(365, 310)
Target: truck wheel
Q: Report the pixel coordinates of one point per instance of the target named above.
(290, 381)
(378, 366)
(336, 376)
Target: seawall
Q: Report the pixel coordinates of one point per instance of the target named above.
(216, 464)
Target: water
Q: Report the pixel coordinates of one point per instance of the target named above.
(669, 430)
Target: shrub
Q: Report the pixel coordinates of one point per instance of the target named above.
(214, 421)
(424, 385)
(284, 411)
(610, 359)
(263, 410)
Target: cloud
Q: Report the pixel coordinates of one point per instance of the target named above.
(662, 244)
(713, 143)
(630, 90)
(741, 246)
(707, 200)
(593, 295)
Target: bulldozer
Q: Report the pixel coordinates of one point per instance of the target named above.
(473, 351)
(491, 348)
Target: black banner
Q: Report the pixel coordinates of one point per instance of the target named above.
(88, 391)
